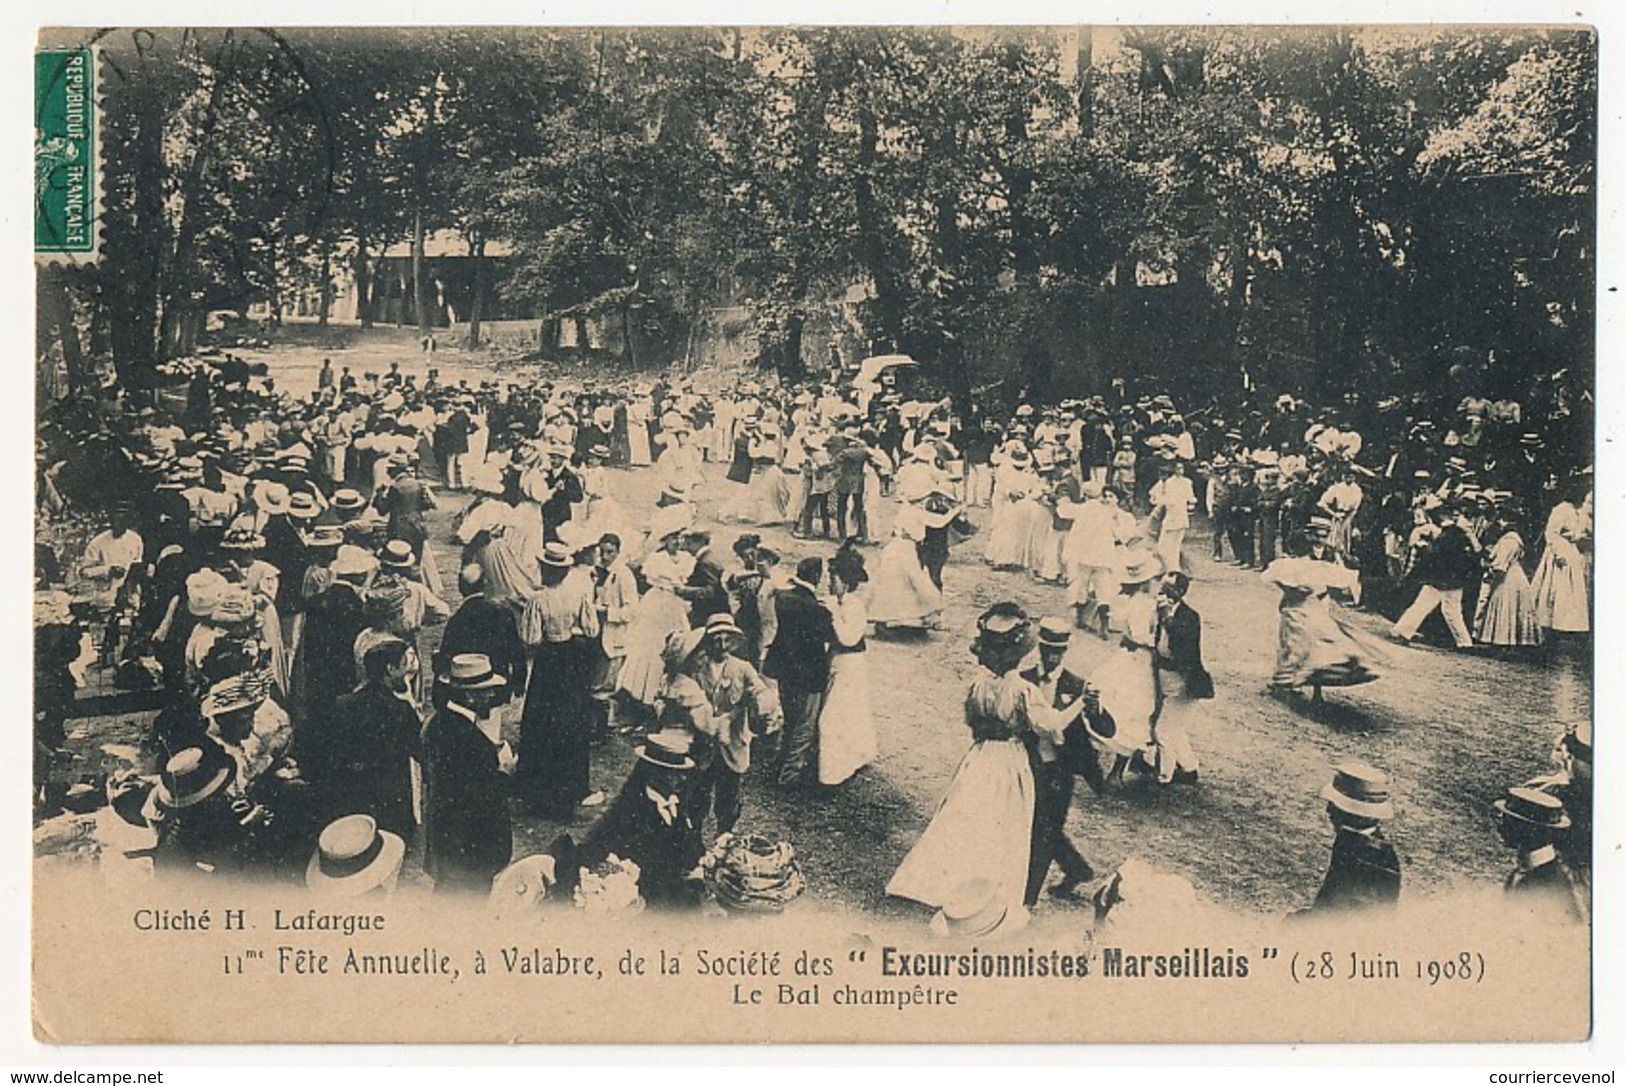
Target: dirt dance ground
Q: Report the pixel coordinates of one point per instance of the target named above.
(1451, 728)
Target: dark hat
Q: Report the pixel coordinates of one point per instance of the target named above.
(1359, 789)
(190, 777)
(748, 541)
(1534, 807)
(353, 856)
(667, 749)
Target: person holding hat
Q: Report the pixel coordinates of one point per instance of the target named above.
(1055, 765)
(1532, 822)
(983, 827)
(466, 765)
(742, 706)
(355, 858)
(1364, 870)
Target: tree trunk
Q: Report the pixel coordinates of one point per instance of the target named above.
(420, 288)
(363, 283)
(476, 252)
(325, 300)
(57, 318)
(626, 334)
(873, 248)
(1086, 82)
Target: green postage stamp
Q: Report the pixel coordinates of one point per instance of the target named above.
(67, 168)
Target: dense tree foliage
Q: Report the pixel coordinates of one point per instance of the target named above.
(1306, 209)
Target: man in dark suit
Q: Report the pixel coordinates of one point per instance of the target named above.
(705, 590)
(360, 762)
(484, 627)
(1365, 868)
(566, 489)
(1184, 680)
(466, 767)
(799, 660)
(1054, 766)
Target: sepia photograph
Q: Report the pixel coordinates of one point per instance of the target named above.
(843, 533)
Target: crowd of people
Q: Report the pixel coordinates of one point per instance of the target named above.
(264, 563)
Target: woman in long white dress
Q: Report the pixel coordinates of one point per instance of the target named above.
(983, 827)
(638, 412)
(1126, 681)
(1506, 615)
(846, 726)
(1316, 647)
(1561, 602)
(660, 613)
(1016, 511)
(904, 595)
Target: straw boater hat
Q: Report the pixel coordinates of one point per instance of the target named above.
(353, 856)
(303, 506)
(1534, 807)
(976, 909)
(471, 671)
(346, 500)
(397, 554)
(557, 556)
(190, 777)
(667, 749)
(1359, 789)
(1054, 632)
